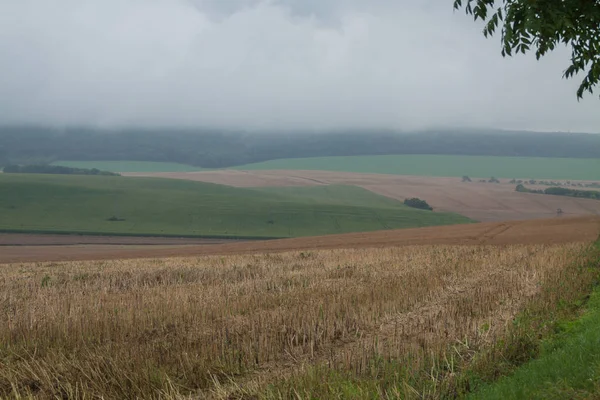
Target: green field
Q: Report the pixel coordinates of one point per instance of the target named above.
(335, 195)
(129, 166)
(420, 165)
(446, 166)
(150, 206)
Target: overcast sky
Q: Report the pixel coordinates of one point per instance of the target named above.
(283, 64)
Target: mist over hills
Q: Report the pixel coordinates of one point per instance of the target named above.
(214, 148)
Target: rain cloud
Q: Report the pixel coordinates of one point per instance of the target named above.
(273, 65)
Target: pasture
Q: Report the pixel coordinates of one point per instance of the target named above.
(445, 166)
(167, 207)
(401, 322)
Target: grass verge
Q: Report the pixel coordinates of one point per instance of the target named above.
(568, 362)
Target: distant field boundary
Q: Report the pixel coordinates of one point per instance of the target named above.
(438, 165)
(140, 235)
(129, 166)
(450, 166)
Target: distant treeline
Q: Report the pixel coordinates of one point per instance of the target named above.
(211, 148)
(561, 191)
(557, 183)
(54, 169)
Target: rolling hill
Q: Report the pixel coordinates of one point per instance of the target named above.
(412, 164)
(445, 166)
(164, 207)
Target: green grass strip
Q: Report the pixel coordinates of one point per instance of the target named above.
(568, 366)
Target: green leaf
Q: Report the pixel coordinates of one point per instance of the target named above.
(544, 24)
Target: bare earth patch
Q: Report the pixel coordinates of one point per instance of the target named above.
(479, 201)
(556, 230)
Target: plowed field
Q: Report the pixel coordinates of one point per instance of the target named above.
(544, 231)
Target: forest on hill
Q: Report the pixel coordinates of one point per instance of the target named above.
(211, 148)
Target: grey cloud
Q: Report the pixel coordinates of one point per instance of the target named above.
(281, 64)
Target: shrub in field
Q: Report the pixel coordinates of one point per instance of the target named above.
(418, 203)
(115, 219)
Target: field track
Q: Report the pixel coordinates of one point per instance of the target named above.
(483, 202)
(543, 231)
(19, 239)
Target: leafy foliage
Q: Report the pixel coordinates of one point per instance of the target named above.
(541, 26)
(418, 203)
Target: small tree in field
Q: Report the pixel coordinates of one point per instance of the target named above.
(465, 178)
(418, 203)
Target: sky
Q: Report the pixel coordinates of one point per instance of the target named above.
(274, 65)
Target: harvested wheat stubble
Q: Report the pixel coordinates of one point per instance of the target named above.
(122, 329)
(548, 231)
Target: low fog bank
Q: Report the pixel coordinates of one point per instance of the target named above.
(214, 148)
(279, 65)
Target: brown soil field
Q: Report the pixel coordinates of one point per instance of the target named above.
(479, 201)
(544, 231)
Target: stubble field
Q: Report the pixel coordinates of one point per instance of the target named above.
(345, 323)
